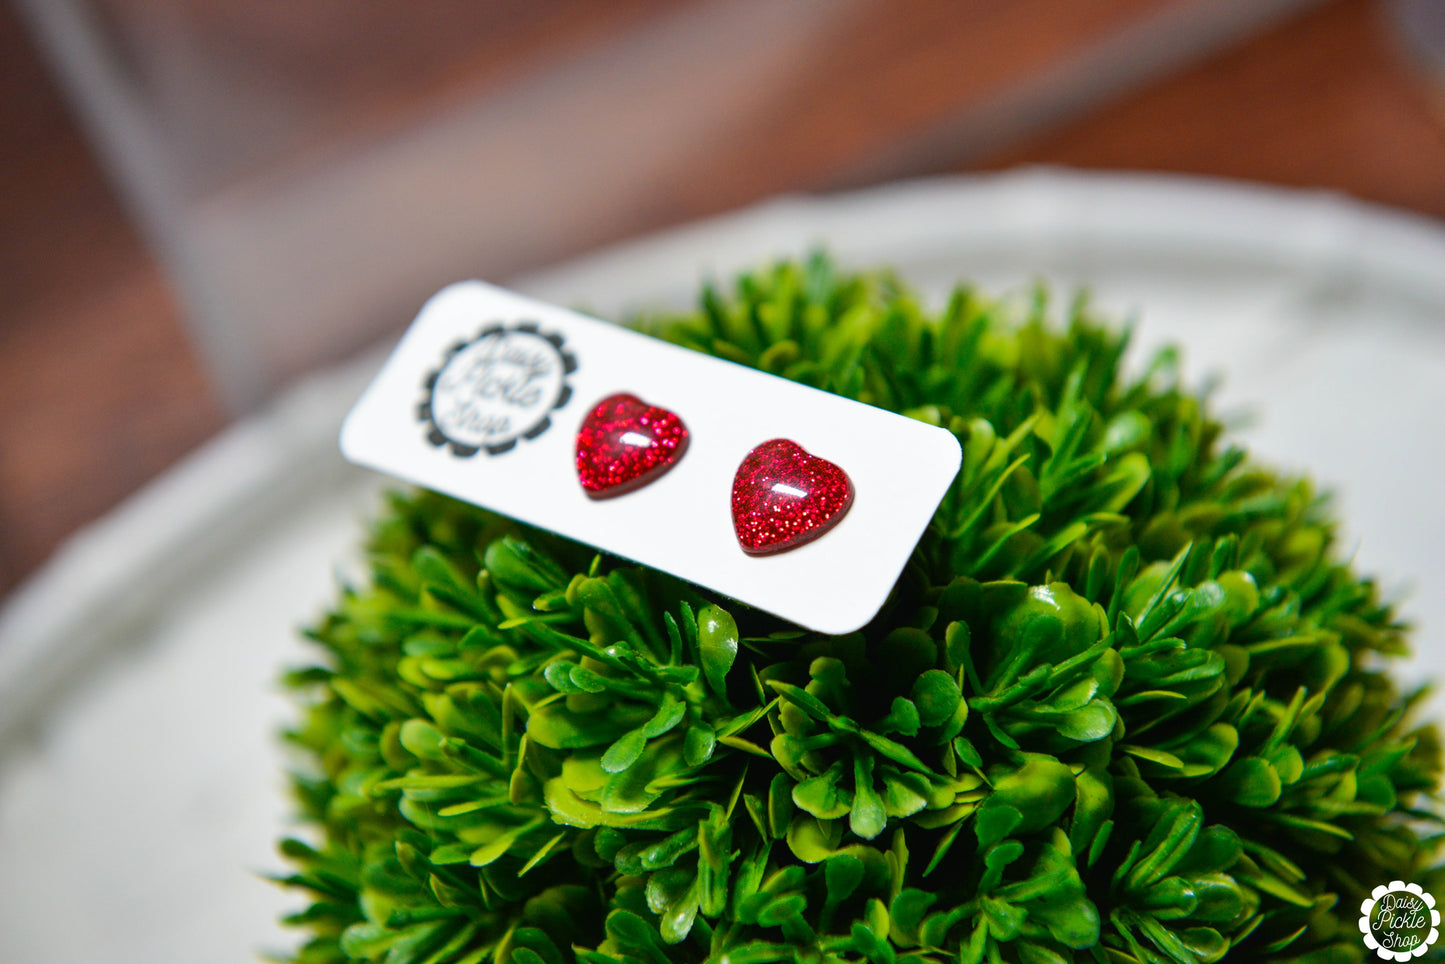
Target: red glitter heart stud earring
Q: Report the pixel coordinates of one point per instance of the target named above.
(784, 497)
(625, 443)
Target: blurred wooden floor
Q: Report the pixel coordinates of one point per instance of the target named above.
(100, 390)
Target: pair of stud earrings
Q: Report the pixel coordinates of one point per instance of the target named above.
(782, 496)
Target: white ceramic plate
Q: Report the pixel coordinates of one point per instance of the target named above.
(140, 783)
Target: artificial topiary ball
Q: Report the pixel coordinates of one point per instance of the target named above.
(1126, 703)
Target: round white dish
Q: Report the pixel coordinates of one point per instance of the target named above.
(141, 785)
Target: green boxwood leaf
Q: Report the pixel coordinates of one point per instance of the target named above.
(866, 816)
(993, 823)
(626, 751)
(717, 639)
(698, 744)
(936, 696)
(1089, 723)
(1250, 782)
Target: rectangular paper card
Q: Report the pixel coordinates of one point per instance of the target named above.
(484, 397)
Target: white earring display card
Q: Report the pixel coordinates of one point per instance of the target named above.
(486, 394)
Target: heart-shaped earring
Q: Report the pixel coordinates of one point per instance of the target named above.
(784, 497)
(625, 443)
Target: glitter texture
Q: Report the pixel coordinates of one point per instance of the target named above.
(783, 497)
(625, 443)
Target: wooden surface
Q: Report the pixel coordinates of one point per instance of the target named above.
(1325, 101)
(100, 390)
(248, 85)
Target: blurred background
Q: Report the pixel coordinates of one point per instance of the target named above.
(201, 200)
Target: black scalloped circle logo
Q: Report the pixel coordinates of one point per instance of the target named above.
(496, 389)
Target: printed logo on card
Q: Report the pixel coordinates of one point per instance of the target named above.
(497, 388)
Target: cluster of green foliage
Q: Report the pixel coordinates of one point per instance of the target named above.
(1126, 704)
